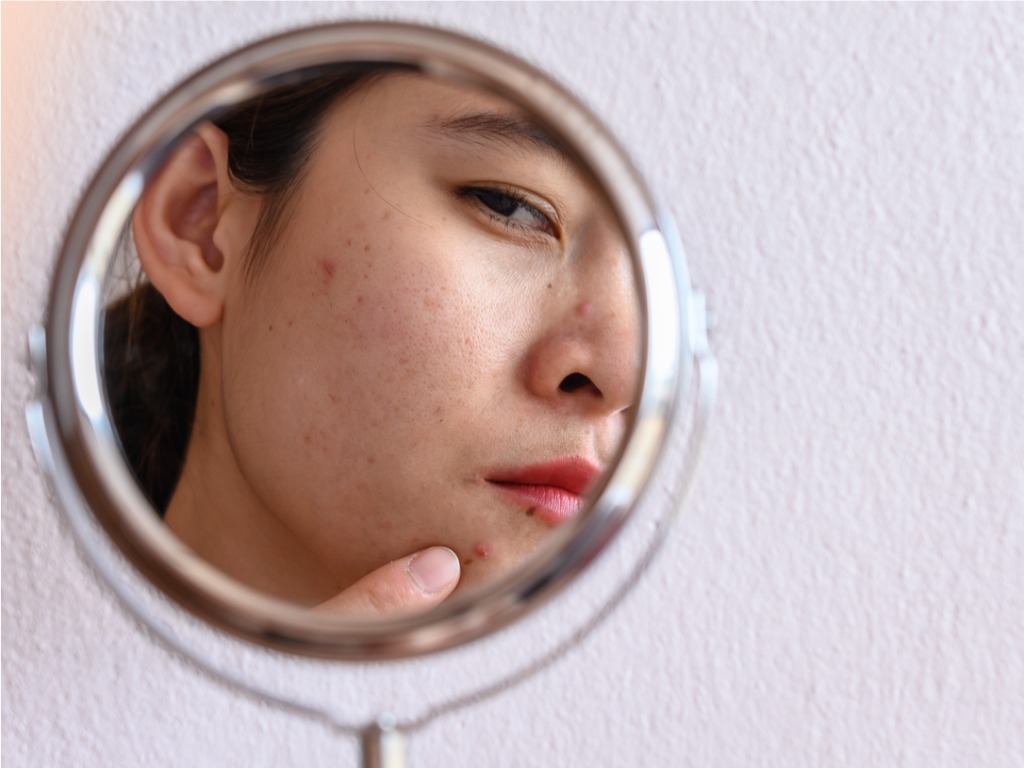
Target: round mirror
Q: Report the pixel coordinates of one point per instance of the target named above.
(364, 341)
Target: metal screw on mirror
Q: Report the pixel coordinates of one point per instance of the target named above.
(384, 744)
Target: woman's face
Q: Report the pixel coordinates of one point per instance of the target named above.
(440, 347)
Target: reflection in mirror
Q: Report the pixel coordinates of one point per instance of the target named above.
(383, 340)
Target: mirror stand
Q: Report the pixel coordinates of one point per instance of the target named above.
(275, 651)
(384, 744)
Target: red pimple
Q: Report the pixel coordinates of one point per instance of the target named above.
(584, 308)
(329, 267)
(484, 549)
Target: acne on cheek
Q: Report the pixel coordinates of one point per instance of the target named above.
(483, 550)
(317, 442)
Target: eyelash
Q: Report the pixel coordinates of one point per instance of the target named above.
(479, 195)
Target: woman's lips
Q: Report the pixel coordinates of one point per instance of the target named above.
(554, 490)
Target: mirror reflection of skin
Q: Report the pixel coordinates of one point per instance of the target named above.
(425, 374)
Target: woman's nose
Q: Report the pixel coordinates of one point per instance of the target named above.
(588, 358)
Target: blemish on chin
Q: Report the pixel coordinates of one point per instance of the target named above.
(483, 550)
(584, 308)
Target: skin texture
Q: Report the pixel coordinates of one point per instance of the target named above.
(401, 343)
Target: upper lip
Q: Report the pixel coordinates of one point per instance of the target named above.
(574, 474)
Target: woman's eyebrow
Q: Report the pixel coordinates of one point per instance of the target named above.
(503, 131)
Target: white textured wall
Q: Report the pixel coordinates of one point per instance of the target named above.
(847, 585)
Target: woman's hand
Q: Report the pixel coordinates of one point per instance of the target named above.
(414, 583)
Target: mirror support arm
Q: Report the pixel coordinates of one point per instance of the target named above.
(383, 744)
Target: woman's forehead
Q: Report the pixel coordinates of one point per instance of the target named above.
(426, 103)
(428, 109)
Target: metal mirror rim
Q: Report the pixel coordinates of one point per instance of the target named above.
(74, 440)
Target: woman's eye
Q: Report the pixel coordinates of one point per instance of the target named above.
(511, 210)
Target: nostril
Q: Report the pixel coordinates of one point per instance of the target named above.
(574, 381)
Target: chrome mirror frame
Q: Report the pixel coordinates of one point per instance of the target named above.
(75, 441)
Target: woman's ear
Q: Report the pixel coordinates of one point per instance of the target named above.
(175, 222)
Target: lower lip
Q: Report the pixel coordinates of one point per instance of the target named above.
(552, 505)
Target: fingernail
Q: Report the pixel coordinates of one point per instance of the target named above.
(433, 569)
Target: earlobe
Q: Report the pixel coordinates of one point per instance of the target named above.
(175, 222)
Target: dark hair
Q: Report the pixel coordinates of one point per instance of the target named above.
(150, 354)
